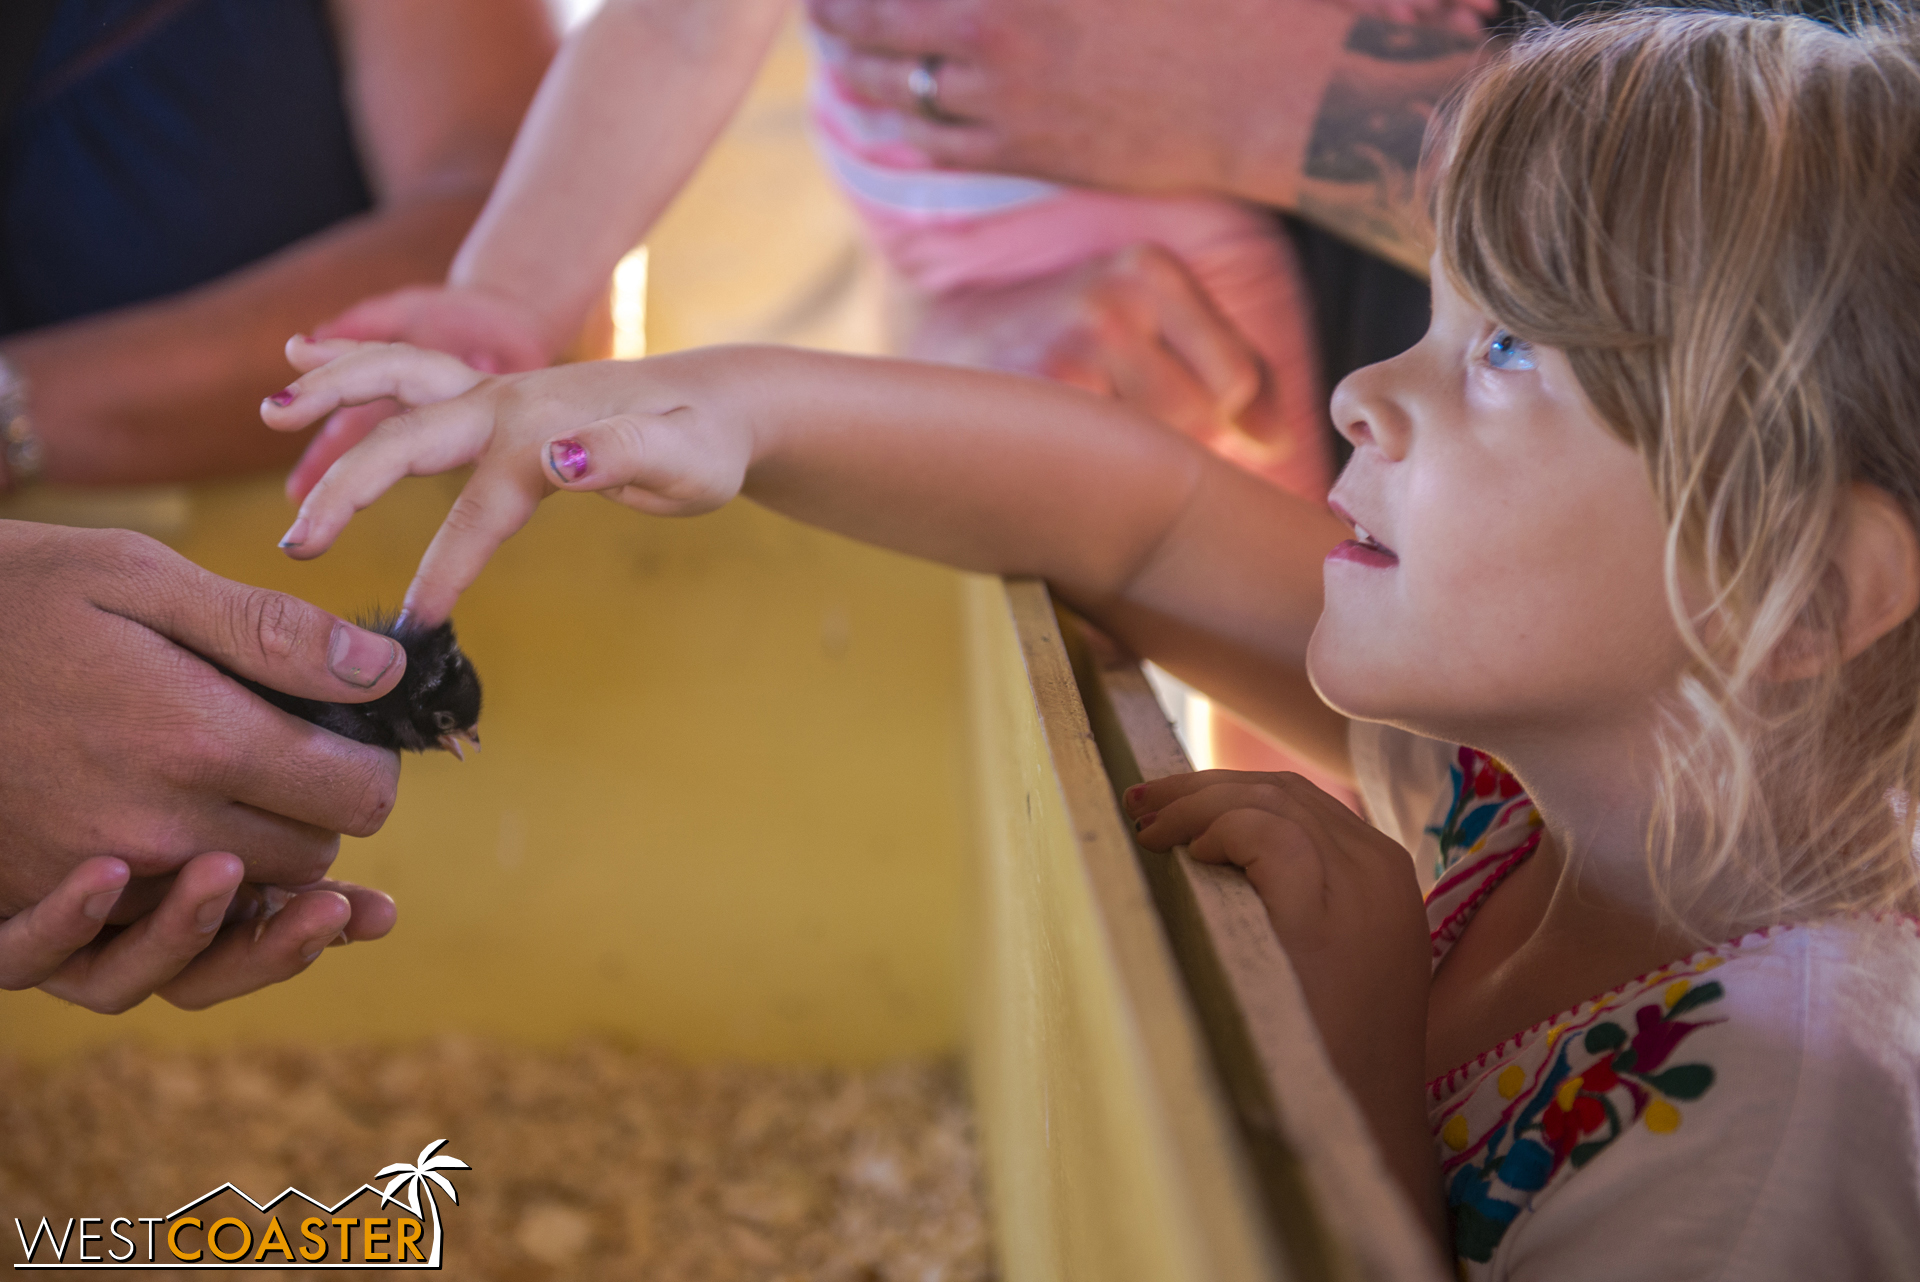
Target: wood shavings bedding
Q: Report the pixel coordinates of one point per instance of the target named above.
(591, 1162)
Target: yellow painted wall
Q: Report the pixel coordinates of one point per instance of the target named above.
(718, 808)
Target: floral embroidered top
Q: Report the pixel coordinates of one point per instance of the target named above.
(1749, 1112)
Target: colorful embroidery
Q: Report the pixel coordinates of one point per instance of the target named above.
(1485, 797)
(1489, 828)
(1570, 1116)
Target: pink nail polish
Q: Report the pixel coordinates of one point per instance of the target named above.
(284, 397)
(568, 459)
(1133, 794)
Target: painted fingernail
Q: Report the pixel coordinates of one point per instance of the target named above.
(296, 533)
(568, 459)
(95, 907)
(1140, 824)
(358, 657)
(1134, 793)
(284, 397)
(209, 915)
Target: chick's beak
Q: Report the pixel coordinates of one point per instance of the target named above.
(451, 742)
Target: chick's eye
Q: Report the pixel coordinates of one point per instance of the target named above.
(1508, 351)
(444, 720)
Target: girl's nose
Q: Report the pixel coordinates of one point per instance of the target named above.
(1367, 410)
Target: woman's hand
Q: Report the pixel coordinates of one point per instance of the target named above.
(490, 333)
(210, 939)
(628, 431)
(1345, 903)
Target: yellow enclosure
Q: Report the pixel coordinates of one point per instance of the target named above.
(751, 791)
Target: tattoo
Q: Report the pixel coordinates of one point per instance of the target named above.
(1367, 131)
(1372, 124)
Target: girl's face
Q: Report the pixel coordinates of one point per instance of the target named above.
(1504, 581)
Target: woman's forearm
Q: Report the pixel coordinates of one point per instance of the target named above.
(632, 102)
(170, 390)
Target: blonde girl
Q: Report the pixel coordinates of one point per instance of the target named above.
(1617, 604)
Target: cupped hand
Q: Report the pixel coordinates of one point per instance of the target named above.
(627, 431)
(485, 331)
(211, 938)
(1133, 325)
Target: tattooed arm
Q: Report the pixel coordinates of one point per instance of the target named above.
(1357, 178)
(1293, 103)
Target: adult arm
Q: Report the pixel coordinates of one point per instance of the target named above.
(135, 775)
(635, 98)
(1299, 104)
(167, 390)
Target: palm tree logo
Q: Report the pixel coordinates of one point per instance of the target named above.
(415, 1175)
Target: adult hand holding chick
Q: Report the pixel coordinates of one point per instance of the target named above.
(140, 787)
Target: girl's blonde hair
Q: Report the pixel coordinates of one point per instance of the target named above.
(1717, 216)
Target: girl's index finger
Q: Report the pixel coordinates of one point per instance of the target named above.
(495, 503)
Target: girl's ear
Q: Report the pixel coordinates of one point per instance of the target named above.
(1878, 561)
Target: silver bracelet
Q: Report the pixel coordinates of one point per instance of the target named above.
(21, 454)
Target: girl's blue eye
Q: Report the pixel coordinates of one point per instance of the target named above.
(1507, 351)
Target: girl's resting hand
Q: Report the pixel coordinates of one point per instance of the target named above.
(1342, 897)
(627, 430)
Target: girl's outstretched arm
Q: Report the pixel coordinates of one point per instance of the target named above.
(1186, 559)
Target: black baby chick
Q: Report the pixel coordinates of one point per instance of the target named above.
(436, 704)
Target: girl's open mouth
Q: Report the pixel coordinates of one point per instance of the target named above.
(1364, 549)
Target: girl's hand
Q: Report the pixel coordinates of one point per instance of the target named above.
(1345, 902)
(626, 430)
(1332, 882)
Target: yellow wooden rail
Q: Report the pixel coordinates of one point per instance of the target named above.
(1155, 1100)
